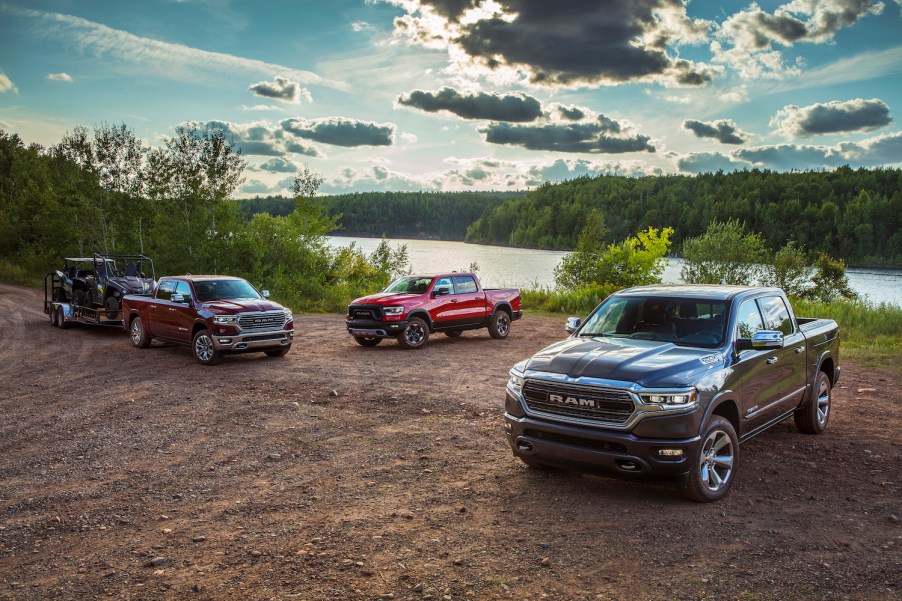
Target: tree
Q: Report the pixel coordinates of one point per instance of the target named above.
(830, 281)
(579, 267)
(789, 270)
(723, 253)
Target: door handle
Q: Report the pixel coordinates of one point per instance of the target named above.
(772, 360)
(454, 300)
(799, 349)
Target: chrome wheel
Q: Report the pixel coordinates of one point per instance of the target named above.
(503, 325)
(716, 461)
(823, 402)
(203, 348)
(415, 334)
(137, 332)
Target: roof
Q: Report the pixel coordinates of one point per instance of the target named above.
(197, 278)
(707, 291)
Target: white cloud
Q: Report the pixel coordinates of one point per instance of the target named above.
(262, 107)
(167, 59)
(6, 85)
(409, 138)
(358, 26)
(60, 77)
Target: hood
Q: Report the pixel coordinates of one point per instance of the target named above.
(647, 363)
(384, 298)
(229, 307)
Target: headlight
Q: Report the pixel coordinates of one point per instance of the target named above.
(225, 320)
(393, 310)
(289, 316)
(670, 398)
(515, 382)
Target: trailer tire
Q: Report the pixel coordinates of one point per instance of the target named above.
(61, 319)
(52, 313)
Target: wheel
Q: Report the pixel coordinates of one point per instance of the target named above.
(713, 467)
(813, 416)
(278, 352)
(52, 314)
(140, 338)
(204, 350)
(415, 334)
(112, 308)
(367, 340)
(61, 319)
(500, 326)
(453, 333)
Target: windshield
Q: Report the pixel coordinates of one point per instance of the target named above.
(682, 321)
(213, 290)
(409, 285)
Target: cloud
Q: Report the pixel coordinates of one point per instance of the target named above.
(361, 26)
(709, 162)
(747, 37)
(831, 117)
(60, 77)
(724, 131)
(278, 165)
(259, 138)
(174, 61)
(409, 138)
(262, 107)
(282, 89)
(861, 67)
(601, 135)
(6, 85)
(495, 107)
(254, 186)
(340, 131)
(558, 44)
(570, 113)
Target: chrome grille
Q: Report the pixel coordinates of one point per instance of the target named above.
(609, 405)
(266, 321)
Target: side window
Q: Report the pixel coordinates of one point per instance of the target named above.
(776, 315)
(184, 289)
(464, 284)
(443, 284)
(748, 319)
(165, 290)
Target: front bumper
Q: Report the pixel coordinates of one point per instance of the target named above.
(257, 341)
(375, 329)
(621, 454)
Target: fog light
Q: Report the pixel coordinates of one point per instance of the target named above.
(225, 341)
(670, 452)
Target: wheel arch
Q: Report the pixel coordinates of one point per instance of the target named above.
(723, 405)
(198, 326)
(825, 364)
(422, 314)
(503, 306)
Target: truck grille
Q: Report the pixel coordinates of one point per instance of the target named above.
(370, 312)
(609, 405)
(267, 321)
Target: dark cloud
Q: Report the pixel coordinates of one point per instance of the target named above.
(517, 108)
(708, 162)
(568, 137)
(339, 131)
(259, 138)
(570, 113)
(279, 165)
(724, 130)
(565, 42)
(282, 89)
(832, 117)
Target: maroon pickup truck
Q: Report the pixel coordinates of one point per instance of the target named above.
(212, 313)
(414, 306)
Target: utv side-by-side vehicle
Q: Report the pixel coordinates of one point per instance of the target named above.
(90, 289)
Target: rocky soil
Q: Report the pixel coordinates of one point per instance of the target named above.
(339, 472)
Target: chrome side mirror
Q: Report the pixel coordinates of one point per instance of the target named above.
(765, 340)
(265, 293)
(178, 298)
(573, 324)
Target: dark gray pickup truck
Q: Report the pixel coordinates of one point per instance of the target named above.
(666, 381)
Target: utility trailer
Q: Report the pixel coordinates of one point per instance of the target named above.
(89, 290)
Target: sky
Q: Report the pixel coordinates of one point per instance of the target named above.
(405, 95)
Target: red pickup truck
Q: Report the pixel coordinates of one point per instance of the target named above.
(414, 306)
(214, 314)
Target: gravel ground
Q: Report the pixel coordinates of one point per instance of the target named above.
(339, 472)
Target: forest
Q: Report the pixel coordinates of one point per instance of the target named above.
(854, 215)
(439, 215)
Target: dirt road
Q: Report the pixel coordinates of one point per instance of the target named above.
(141, 474)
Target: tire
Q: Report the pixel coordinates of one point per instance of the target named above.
(203, 349)
(279, 352)
(500, 325)
(52, 313)
(367, 340)
(415, 334)
(140, 337)
(78, 298)
(813, 416)
(111, 306)
(61, 319)
(453, 333)
(713, 466)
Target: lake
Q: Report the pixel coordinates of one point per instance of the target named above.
(503, 267)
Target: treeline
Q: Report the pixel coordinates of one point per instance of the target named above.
(851, 214)
(442, 215)
(105, 191)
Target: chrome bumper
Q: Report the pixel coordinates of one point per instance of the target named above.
(258, 340)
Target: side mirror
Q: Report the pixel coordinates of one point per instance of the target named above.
(440, 292)
(265, 293)
(573, 324)
(762, 340)
(178, 298)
